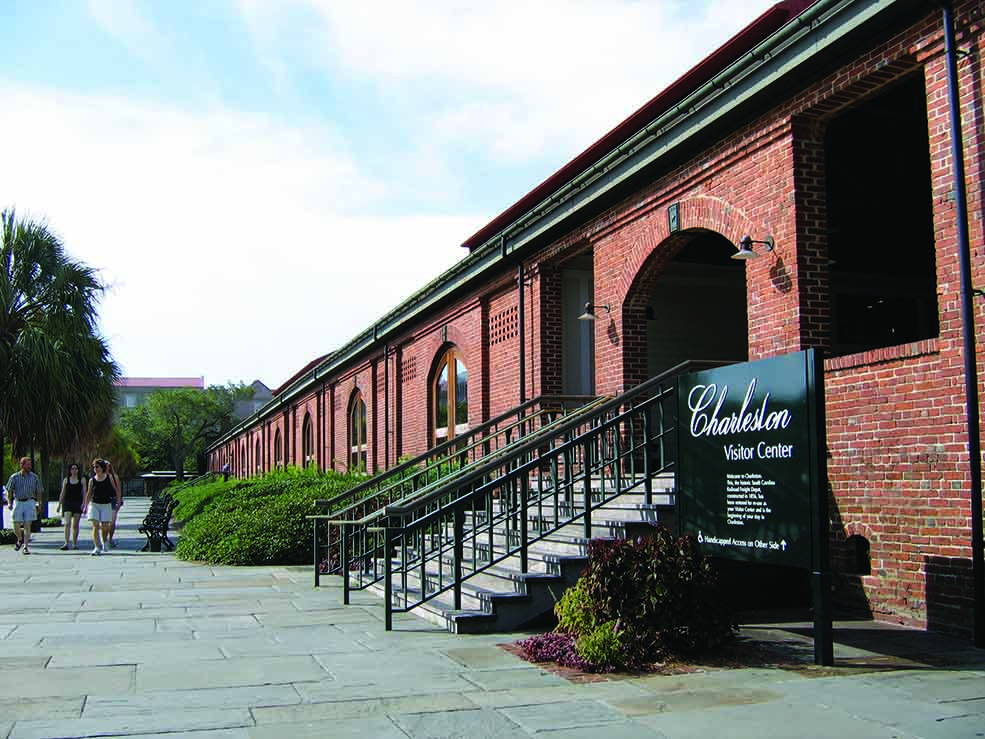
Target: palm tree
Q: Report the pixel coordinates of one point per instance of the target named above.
(55, 369)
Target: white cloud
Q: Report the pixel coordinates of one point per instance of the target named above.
(124, 22)
(519, 78)
(234, 242)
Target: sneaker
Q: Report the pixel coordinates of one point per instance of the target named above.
(18, 545)
(96, 552)
(26, 550)
(64, 547)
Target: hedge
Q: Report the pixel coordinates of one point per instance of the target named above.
(259, 521)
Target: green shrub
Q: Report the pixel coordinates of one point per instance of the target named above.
(255, 521)
(601, 646)
(50, 523)
(7, 536)
(662, 592)
(639, 600)
(576, 611)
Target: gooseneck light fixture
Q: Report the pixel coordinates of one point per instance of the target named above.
(589, 314)
(745, 247)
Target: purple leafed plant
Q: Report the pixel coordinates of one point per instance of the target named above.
(559, 648)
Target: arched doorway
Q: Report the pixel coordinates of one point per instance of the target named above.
(688, 301)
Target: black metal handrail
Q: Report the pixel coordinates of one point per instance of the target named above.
(623, 439)
(438, 464)
(417, 546)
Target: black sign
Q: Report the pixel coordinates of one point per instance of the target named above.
(750, 445)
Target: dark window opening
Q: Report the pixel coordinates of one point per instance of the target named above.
(307, 442)
(880, 222)
(858, 557)
(357, 433)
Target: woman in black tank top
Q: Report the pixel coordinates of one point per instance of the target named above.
(70, 505)
(100, 495)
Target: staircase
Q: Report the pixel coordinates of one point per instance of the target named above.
(490, 541)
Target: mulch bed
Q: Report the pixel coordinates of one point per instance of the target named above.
(794, 655)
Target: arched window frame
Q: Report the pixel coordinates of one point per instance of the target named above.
(357, 428)
(307, 441)
(457, 420)
(278, 451)
(258, 457)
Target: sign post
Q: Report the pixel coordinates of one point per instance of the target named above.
(752, 478)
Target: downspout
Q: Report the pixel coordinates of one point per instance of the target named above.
(521, 333)
(968, 330)
(386, 406)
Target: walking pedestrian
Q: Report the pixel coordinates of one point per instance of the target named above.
(100, 492)
(117, 503)
(70, 505)
(24, 489)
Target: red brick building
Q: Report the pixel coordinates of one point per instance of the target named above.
(822, 127)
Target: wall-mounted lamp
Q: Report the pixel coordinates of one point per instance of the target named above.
(589, 314)
(745, 247)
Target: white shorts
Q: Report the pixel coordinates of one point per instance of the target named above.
(25, 511)
(102, 512)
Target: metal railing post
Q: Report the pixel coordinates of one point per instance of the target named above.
(458, 555)
(588, 492)
(344, 562)
(647, 468)
(387, 581)
(524, 498)
(314, 549)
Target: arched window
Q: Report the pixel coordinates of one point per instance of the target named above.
(450, 397)
(357, 433)
(258, 459)
(244, 467)
(278, 451)
(307, 441)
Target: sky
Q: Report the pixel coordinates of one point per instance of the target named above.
(258, 181)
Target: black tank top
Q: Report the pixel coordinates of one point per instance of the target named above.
(102, 490)
(73, 490)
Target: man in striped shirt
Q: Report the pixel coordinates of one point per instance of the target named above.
(23, 488)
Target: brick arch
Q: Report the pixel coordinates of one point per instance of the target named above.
(700, 212)
(653, 248)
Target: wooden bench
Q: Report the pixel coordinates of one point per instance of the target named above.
(156, 523)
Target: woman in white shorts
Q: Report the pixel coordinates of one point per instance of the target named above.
(100, 495)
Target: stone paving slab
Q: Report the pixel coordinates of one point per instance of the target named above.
(378, 728)
(186, 652)
(150, 703)
(26, 709)
(133, 724)
(363, 709)
(231, 673)
(560, 716)
(482, 723)
(139, 644)
(39, 682)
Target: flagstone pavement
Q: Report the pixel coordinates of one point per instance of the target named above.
(141, 644)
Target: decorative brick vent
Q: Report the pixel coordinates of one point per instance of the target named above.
(408, 369)
(502, 326)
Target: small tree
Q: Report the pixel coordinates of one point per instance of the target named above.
(175, 425)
